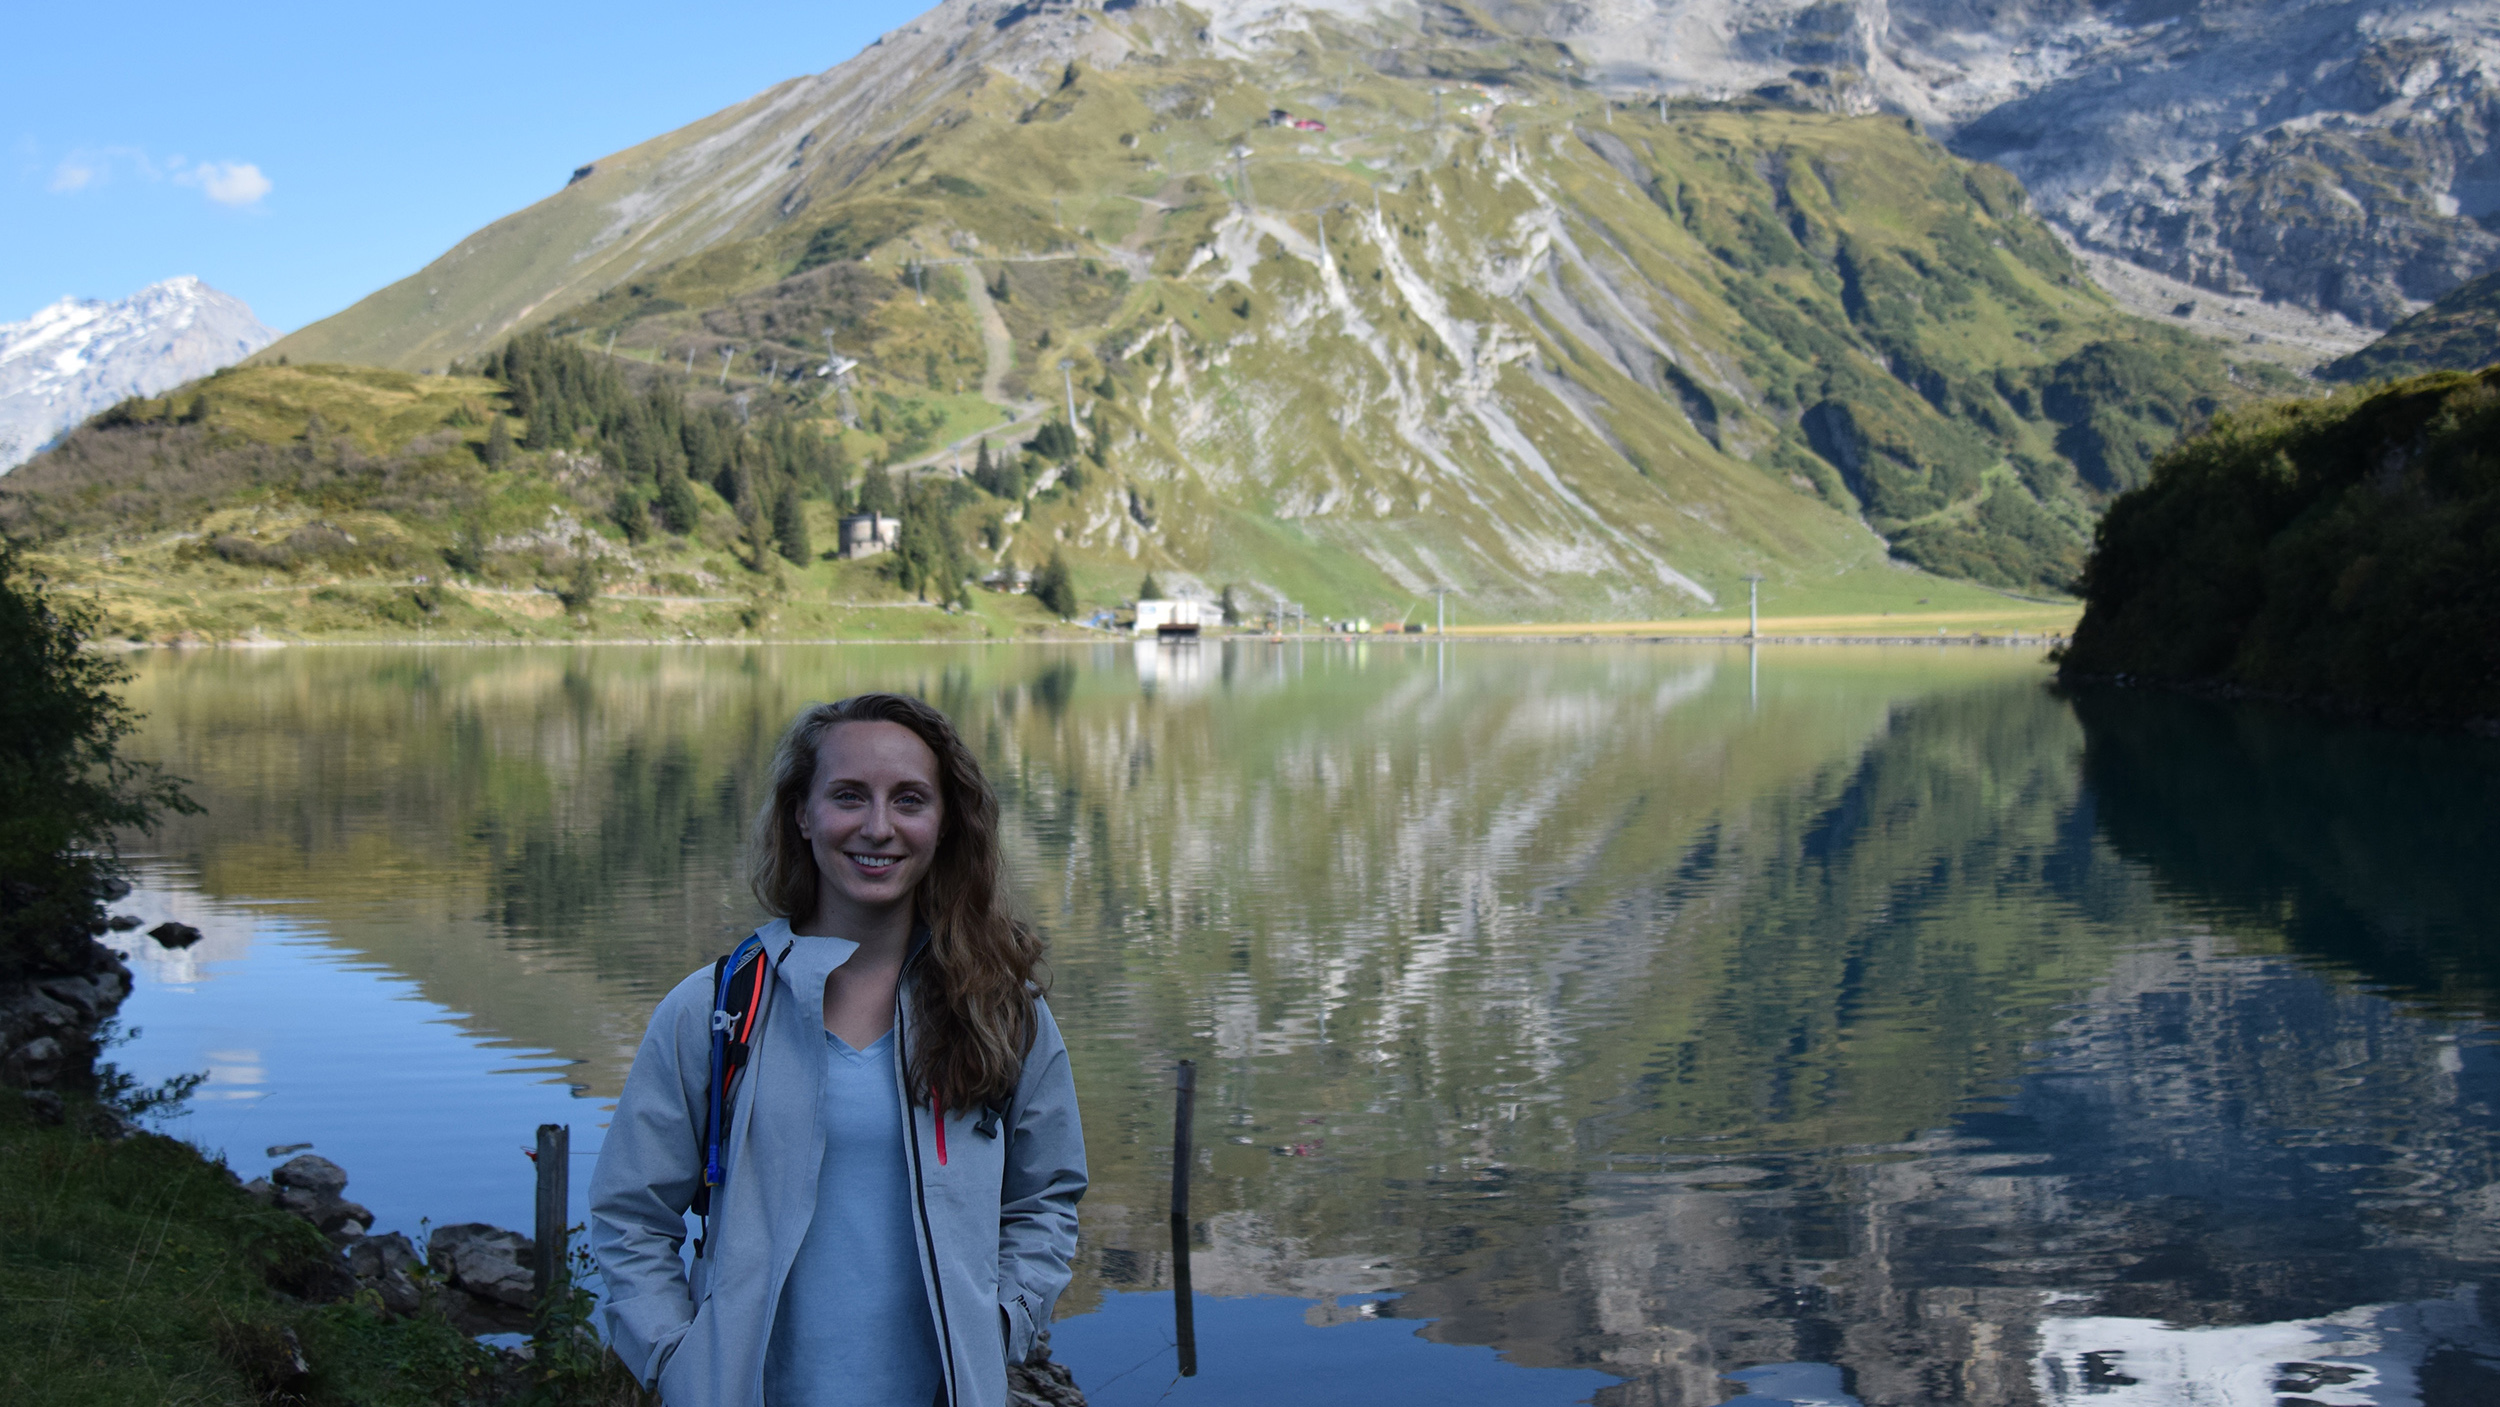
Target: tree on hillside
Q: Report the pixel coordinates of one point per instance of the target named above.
(876, 491)
(1054, 441)
(755, 523)
(928, 560)
(999, 475)
(632, 513)
(790, 527)
(1150, 589)
(679, 508)
(1232, 606)
(498, 441)
(1053, 588)
(65, 788)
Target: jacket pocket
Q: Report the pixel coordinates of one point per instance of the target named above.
(676, 1382)
(1015, 1318)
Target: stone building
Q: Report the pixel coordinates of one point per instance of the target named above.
(867, 534)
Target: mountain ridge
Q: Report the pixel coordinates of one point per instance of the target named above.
(80, 355)
(1470, 323)
(2324, 156)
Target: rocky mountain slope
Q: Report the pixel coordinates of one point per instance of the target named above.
(82, 354)
(1355, 305)
(2337, 156)
(2460, 332)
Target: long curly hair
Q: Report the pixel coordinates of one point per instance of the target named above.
(973, 989)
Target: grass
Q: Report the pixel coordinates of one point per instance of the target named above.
(139, 1271)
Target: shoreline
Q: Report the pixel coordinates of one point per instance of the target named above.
(2322, 706)
(1594, 634)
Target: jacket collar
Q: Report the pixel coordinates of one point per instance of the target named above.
(810, 960)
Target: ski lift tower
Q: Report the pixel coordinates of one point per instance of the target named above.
(837, 374)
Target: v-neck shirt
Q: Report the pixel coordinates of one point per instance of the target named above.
(854, 1326)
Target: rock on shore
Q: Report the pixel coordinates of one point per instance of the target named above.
(48, 1025)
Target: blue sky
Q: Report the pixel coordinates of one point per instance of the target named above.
(301, 156)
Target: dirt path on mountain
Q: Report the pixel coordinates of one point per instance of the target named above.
(965, 448)
(996, 344)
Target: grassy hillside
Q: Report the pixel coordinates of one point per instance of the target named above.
(2342, 551)
(1574, 358)
(2460, 332)
(348, 502)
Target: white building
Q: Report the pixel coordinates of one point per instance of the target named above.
(1157, 617)
(867, 534)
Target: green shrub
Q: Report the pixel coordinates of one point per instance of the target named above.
(65, 788)
(2345, 550)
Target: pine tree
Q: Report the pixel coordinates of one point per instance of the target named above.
(1054, 441)
(540, 432)
(581, 585)
(1150, 589)
(498, 441)
(928, 559)
(631, 513)
(790, 527)
(1232, 607)
(678, 506)
(1052, 587)
(876, 492)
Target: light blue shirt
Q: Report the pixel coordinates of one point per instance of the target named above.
(853, 1329)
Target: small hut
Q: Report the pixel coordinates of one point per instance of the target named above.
(867, 534)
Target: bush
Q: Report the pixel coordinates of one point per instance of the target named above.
(1053, 589)
(581, 583)
(2345, 550)
(65, 788)
(1055, 441)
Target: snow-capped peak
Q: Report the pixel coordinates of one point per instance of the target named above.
(79, 355)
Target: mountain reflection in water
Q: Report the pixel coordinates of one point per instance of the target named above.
(1878, 1020)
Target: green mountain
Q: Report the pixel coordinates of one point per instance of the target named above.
(2338, 552)
(286, 502)
(1489, 329)
(2460, 332)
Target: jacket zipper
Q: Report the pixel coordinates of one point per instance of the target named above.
(920, 1199)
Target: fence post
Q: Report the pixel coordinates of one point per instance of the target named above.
(1184, 1313)
(555, 1198)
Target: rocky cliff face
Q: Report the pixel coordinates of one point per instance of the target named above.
(2336, 156)
(81, 354)
(2460, 332)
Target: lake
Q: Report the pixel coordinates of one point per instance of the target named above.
(1652, 1025)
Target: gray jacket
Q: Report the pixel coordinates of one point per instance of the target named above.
(996, 1213)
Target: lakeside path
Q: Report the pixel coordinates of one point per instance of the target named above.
(1956, 627)
(2023, 619)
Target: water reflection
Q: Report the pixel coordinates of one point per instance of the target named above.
(1876, 1020)
(2360, 847)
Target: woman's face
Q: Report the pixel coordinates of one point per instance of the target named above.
(872, 815)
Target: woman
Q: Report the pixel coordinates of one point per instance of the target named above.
(898, 1159)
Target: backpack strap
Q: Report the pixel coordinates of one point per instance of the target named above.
(739, 993)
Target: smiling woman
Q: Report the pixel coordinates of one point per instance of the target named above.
(868, 1102)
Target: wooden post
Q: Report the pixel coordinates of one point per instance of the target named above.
(555, 1198)
(1184, 1313)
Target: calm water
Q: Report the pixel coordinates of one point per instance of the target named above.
(1647, 1024)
